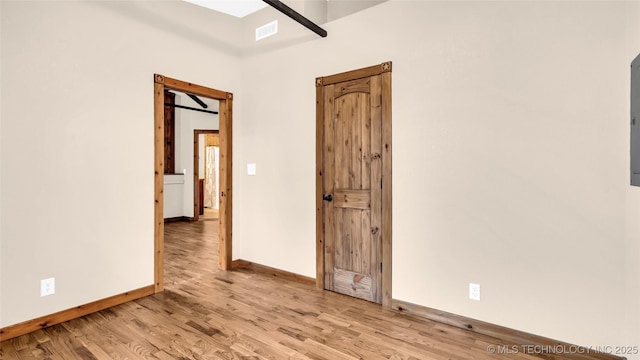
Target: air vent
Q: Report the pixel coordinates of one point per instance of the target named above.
(267, 30)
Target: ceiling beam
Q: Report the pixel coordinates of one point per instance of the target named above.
(190, 108)
(197, 99)
(278, 5)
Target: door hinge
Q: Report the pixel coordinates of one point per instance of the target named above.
(380, 267)
(380, 183)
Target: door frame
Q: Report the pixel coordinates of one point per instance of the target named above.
(384, 70)
(225, 114)
(196, 169)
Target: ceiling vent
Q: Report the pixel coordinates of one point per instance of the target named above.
(267, 30)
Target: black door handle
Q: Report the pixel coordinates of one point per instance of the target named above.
(327, 198)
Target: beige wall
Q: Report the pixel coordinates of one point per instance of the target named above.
(510, 152)
(510, 165)
(81, 80)
(337, 9)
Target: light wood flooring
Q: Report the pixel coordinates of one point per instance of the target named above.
(205, 313)
(210, 214)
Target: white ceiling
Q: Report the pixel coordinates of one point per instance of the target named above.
(237, 8)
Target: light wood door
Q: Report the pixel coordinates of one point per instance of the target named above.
(352, 187)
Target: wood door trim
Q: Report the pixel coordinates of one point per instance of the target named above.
(226, 126)
(269, 271)
(319, 186)
(386, 186)
(194, 89)
(505, 334)
(383, 69)
(196, 170)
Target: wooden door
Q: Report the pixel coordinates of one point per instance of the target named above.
(352, 186)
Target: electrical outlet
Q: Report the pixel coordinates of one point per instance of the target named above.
(474, 291)
(47, 287)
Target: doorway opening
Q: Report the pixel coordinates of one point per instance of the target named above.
(184, 114)
(224, 191)
(206, 174)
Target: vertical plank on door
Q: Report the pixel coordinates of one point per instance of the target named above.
(339, 239)
(360, 257)
(365, 131)
(343, 179)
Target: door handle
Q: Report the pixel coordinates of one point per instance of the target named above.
(327, 197)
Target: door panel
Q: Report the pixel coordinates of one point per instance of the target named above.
(355, 199)
(352, 174)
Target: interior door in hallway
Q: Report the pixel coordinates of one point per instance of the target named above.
(352, 187)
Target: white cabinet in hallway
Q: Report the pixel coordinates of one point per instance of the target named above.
(173, 195)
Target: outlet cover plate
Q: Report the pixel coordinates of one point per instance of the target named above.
(474, 291)
(47, 286)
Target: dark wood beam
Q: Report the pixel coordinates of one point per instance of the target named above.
(191, 108)
(197, 99)
(278, 5)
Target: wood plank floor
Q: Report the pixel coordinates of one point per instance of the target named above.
(209, 314)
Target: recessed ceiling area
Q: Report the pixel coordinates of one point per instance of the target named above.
(211, 22)
(318, 11)
(237, 8)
